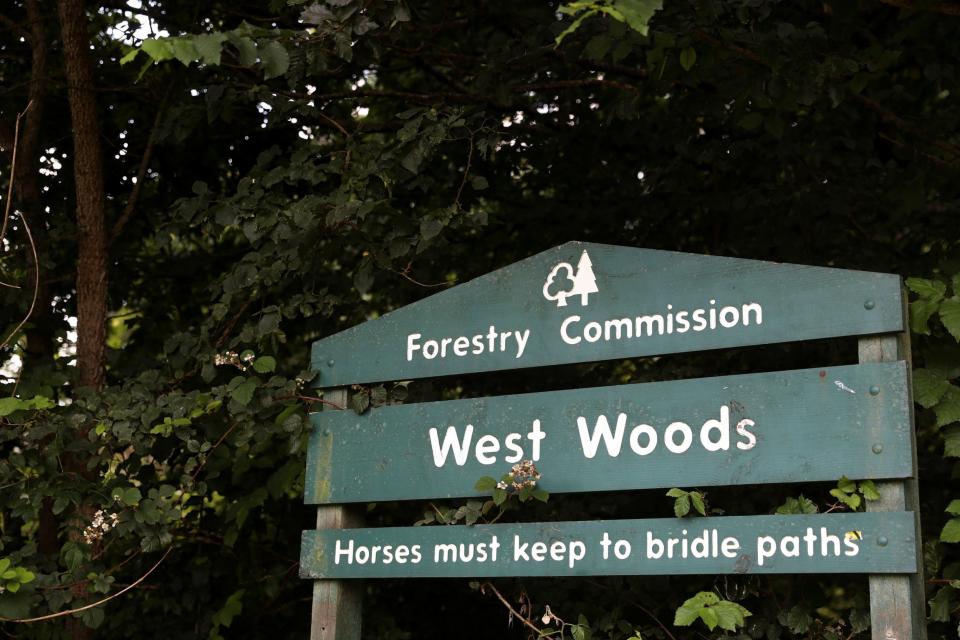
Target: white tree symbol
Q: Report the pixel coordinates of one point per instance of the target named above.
(584, 281)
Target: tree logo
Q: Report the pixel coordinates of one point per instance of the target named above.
(583, 281)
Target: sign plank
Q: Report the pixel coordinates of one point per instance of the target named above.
(832, 543)
(792, 426)
(582, 302)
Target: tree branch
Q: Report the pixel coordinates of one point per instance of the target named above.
(947, 8)
(141, 172)
(69, 612)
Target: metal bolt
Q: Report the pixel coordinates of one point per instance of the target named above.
(878, 448)
(330, 363)
(874, 390)
(326, 432)
(882, 541)
(869, 304)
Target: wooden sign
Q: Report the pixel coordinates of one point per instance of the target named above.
(583, 302)
(834, 543)
(792, 426)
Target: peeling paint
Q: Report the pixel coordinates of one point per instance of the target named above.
(843, 387)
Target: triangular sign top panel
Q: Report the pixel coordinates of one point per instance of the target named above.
(583, 302)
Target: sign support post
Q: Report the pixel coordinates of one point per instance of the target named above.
(897, 602)
(337, 604)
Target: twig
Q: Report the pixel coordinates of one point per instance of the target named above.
(141, 172)
(68, 612)
(655, 619)
(405, 273)
(513, 611)
(13, 173)
(321, 401)
(36, 282)
(339, 127)
(466, 174)
(212, 449)
(948, 8)
(233, 321)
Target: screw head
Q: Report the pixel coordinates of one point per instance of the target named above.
(878, 448)
(869, 304)
(882, 541)
(874, 390)
(330, 363)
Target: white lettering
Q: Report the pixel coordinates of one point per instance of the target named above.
(590, 442)
(722, 443)
(563, 330)
(672, 430)
(450, 442)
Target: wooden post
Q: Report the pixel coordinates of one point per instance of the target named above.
(897, 602)
(337, 604)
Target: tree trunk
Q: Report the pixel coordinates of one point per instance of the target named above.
(91, 233)
(88, 175)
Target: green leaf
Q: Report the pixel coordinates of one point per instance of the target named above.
(846, 485)
(184, 50)
(948, 409)
(25, 575)
(638, 13)
(681, 506)
(709, 617)
(265, 364)
(275, 60)
(243, 394)
(485, 484)
(131, 496)
(499, 496)
(797, 619)
(950, 316)
(430, 228)
(799, 505)
(360, 401)
(688, 58)
(697, 499)
(9, 405)
(941, 604)
(676, 493)
(541, 495)
(928, 387)
(730, 615)
(4, 564)
(159, 49)
(684, 617)
(920, 312)
(929, 289)
(246, 50)
(129, 57)
(951, 531)
(951, 441)
(208, 46)
(575, 24)
(953, 508)
(869, 490)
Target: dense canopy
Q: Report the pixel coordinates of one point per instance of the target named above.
(195, 192)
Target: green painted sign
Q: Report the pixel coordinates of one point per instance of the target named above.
(792, 426)
(832, 543)
(583, 302)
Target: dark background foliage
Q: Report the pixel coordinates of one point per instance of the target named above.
(300, 169)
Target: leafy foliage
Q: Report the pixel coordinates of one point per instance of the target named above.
(713, 611)
(302, 167)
